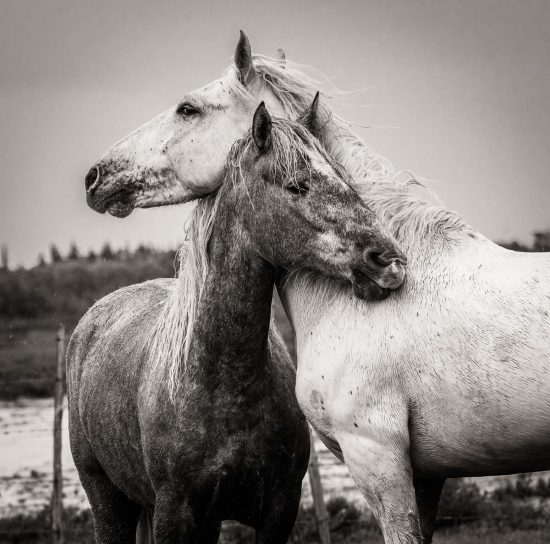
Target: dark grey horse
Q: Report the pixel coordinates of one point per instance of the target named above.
(227, 439)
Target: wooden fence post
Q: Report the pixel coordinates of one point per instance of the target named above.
(57, 494)
(317, 493)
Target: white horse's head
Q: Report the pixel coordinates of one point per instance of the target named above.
(180, 155)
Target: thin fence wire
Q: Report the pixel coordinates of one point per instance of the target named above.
(11, 343)
(24, 431)
(27, 380)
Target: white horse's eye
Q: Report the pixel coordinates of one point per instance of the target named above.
(186, 109)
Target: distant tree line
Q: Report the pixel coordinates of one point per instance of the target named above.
(67, 286)
(541, 242)
(105, 253)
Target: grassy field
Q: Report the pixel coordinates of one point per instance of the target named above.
(28, 358)
(33, 302)
(28, 354)
(79, 530)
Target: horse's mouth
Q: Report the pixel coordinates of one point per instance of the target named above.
(365, 288)
(118, 204)
(120, 209)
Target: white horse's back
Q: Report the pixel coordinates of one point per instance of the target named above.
(466, 346)
(485, 402)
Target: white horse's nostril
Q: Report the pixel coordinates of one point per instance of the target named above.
(92, 179)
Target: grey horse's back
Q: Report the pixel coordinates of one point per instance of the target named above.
(106, 357)
(118, 320)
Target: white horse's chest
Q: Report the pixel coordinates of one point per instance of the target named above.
(336, 372)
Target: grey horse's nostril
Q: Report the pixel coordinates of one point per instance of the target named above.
(92, 179)
(381, 259)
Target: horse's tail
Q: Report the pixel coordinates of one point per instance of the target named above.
(144, 533)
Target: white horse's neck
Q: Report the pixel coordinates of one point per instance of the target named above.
(308, 299)
(432, 237)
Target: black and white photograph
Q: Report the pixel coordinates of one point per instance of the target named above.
(275, 272)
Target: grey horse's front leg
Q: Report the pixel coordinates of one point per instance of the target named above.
(177, 518)
(279, 515)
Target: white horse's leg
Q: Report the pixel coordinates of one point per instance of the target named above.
(381, 469)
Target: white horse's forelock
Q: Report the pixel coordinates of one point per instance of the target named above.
(411, 220)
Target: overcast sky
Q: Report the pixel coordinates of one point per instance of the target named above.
(460, 89)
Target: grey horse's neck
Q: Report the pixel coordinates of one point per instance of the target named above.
(230, 336)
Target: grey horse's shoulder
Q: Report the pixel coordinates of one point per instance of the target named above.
(132, 300)
(128, 312)
(138, 294)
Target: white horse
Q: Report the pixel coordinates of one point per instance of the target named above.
(448, 377)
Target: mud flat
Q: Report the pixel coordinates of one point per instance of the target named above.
(26, 452)
(26, 446)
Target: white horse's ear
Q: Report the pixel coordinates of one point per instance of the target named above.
(243, 59)
(311, 118)
(280, 56)
(261, 128)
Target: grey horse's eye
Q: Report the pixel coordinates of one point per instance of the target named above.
(298, 189)
(186, 109)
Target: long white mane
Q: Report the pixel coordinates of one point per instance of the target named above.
(295, 85)
(410, 219)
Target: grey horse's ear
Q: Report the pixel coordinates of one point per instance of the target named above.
(311, 118)
(280, 56)
(261, 128)
(243, 59)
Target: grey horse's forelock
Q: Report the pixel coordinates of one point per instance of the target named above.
(292, 145)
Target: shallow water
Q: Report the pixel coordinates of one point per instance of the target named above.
(26, 455)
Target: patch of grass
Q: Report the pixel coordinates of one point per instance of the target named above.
(348, 525)
(461, 501)
(33, 302)
(521, 504)
(481, 533)
(36, 528)
(28, 360)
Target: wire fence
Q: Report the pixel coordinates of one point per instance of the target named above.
(55, 479)
(327, 476)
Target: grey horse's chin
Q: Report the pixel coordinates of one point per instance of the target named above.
(369, 290)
